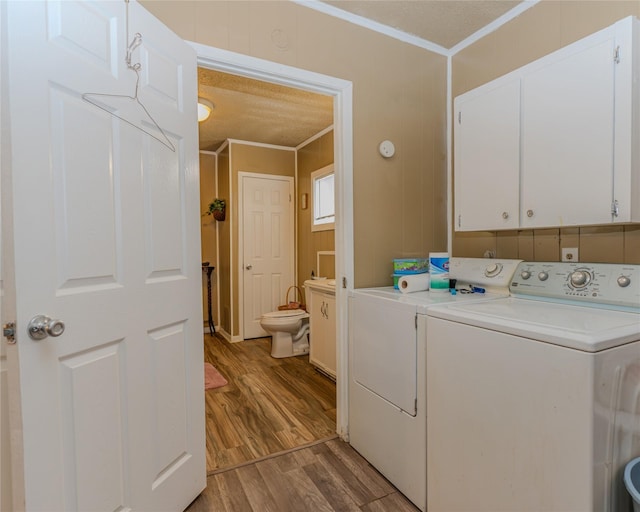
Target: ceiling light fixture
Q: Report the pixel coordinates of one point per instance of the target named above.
(204, 109)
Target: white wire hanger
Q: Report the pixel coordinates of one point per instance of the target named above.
(129, 108)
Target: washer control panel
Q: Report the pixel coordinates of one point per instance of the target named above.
(602, 283)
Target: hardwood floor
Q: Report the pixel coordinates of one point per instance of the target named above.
(328, 476)
(271, 442)
(270, 405)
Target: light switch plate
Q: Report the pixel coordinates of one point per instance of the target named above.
(570, 254)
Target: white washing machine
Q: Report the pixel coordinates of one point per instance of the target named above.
(533, 401)
(387, 394)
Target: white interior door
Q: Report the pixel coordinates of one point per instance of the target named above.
(267, 231)
(106, 239)
(5, 440)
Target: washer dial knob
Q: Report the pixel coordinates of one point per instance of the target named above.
(580, 278)
(623, 281)
(543, 276)
(525, 274)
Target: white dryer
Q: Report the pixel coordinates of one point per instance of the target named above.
(387, 384)
(533, 401)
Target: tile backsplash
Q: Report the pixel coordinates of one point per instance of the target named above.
(603, 244)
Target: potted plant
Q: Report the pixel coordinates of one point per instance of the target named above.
(217, 208)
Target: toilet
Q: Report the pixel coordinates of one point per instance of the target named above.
(289, 330)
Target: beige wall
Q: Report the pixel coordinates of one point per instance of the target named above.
(399, 93)
(208, 227)
(224, 266)
(544, 28)
(311, 157)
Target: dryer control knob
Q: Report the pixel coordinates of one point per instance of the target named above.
(623, 281)
(525, 274)
(543, 276)
(492, 270)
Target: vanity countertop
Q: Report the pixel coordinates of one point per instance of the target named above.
(322, 284)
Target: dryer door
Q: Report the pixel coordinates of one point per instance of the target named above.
(384, 349)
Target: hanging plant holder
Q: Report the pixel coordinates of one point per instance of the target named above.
(217, 208)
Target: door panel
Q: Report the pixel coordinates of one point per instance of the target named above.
(267, 231)
(107, 240)
(87, 415)
(86, 258)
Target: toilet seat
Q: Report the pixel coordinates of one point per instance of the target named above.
(287, 313)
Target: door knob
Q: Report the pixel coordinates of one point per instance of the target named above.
(249, 267)
(42, 326)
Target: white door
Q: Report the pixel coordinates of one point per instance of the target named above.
(106, 239)
(267, 231)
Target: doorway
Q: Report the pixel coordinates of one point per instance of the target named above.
(341, 91)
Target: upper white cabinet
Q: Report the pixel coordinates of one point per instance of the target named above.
(487, 157)
(556, 137)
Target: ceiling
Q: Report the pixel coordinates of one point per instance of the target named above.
(248, 109)
(256, 111)
(443, 22)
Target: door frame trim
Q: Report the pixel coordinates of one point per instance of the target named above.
(342, 93)
(292, 247)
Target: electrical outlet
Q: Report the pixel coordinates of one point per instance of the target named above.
(570, 254)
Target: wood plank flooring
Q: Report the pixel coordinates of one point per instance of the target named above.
(271, 443)
(269, 406)
(327, 476)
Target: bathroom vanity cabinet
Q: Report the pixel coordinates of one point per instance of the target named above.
(321, 302)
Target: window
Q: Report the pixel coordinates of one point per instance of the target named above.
(323, 199)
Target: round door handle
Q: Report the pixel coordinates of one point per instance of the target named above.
(529, 213)
(42, 326)
(249, 267)
(505, 215)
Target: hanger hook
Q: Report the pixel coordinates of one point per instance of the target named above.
(137, 41)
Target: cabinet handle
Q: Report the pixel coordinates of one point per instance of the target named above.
(529, 213)
(505, 215)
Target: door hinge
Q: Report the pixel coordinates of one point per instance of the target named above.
(615, 210)
(459, 220)
(9, 332)
(416, 321)
(460, 117)
(415, 405)
(344, 282)
(616, 55)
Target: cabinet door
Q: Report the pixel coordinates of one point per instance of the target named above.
(322, 346)
(568, 136)
(487, 157)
